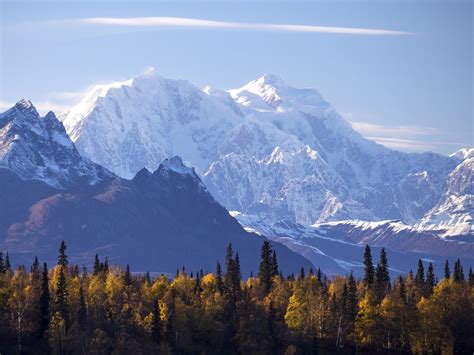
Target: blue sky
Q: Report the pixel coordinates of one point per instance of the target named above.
(410, 91)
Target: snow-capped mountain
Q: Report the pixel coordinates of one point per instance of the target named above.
(267, 149)
(454, 214)
(38, 148)
(157, 221)
(138, 123)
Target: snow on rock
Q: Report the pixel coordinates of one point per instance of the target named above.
(38, 148)
(266, 149)
(463, 153)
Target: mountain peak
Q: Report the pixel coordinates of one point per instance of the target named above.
(26, 106)
(271, 79)
(176, 164)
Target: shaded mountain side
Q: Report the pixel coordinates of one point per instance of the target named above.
(157, 222)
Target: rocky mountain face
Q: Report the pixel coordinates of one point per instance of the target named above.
(267, 149)
(156, 221)
(453, 216)
(38, 148)
(281, 155)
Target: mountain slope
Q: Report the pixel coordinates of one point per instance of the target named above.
(38, 148)
(267, 149)
(156, 221)
(454, 215)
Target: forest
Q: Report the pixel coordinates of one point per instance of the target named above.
(67, 309)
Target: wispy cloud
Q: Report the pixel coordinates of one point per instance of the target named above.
(183, 22)
(404, 137)
(407, 131)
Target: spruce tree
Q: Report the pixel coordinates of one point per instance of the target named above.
(382, 276)
(2, 266)
(302, 273)
(236, 276)
(447, 272)
(274, 264)
(420, 276)
(35, 266)
(229, 279)
(458, 273)
(352, 301)
(219, 282)
(96, 267)
(62, 293)
(402, 292)
(471, 277)
(264, 272)
(106, 265)
(62, 258)
(156, 324)
(8, 266)
(430, 280)
(368, 268)
(319, 277)
(127, 276)
(44, 302)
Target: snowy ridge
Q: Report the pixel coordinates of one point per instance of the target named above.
(266, 148)
(38, 148)
(454, 215)
(337, 245)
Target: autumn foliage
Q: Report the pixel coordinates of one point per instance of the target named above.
(67, 310)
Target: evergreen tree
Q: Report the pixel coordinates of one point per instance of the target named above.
(265, 269)
(458, 274)
(420, 276)
(382, 276)
(156, 324)
(352, 297)
(8, 266)
(62, 258)
(106, 265)
(447, 272)
(302, 274)
(274, 264)
(236, 276)
(44, 302)
(471, 277)
(430, 280)
(368, 267)
(319, 277)
(61, 299)
(2, 266)
(219, 282)
(127, 276)
(402, 292)
(35, 266)
(96, 268)
(229, 280)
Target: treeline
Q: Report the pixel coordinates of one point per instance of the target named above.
(68, 310)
